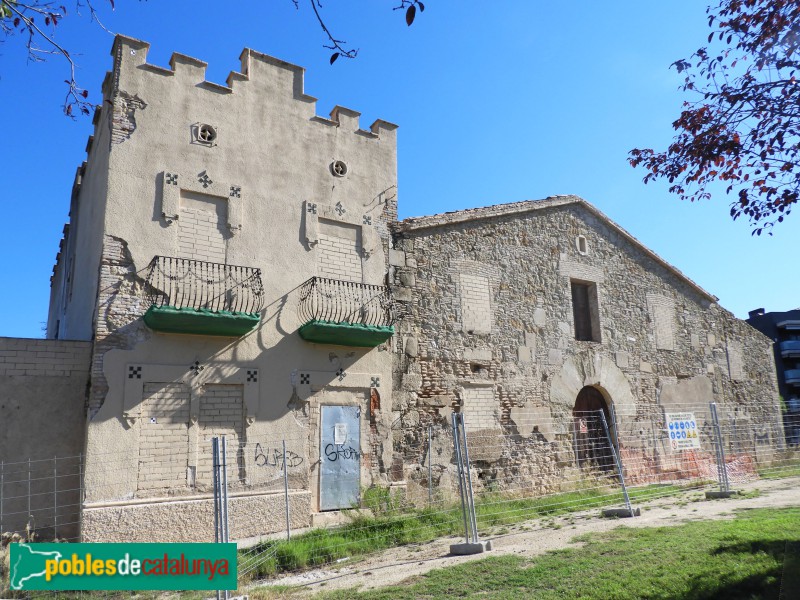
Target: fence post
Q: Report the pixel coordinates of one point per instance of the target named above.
(215, 484)
(217, 495)
(286, 492)
(430, 466)
(80, 490)
(55, 498)
(472, 545)
(722, 469)
(470, 497)
(614, 423)
(29, 492)
(618, 462)
(460, 465)
(225, 531)
(2, 481)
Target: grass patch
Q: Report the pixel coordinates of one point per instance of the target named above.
(398, 526)
(788, 467)
(740, 559)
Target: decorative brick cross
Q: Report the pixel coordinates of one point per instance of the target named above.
(312, 208)
(341, 374)
(134, 372)
(340, 210)
(367, 220)
(252, 376)
(236, 191)
(172, 178)
(204, 179)
(196, 368)
(376, 382)
(305, 378)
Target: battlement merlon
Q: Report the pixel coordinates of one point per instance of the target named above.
(130, 54)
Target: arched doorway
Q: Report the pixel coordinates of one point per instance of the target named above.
(592, 448)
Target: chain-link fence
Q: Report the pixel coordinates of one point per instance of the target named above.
(586, 460)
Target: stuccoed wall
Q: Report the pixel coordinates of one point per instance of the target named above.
(192, 520)
(523, 367)
(271, 164)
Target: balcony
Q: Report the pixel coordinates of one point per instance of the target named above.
(345, 313)
(792, 376)
(790, 348)
(202, 298)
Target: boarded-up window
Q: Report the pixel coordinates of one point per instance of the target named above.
(201, 227)
(164, 436)
(662, 314)
(221, 413)
(476, 305)
(585, 311)
(339, 251)
(479, 408)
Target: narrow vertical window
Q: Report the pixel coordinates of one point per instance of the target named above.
(585, 311)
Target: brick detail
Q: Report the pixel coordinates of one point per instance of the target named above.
(735, 362)
(120, 305)
(480, 409)
(44, 358)
(476, 307)
(163, 436)
(662, 314)
(201, 234)
(339, 251)
(221, 413)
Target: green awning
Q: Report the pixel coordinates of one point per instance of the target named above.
(345, 334)
(170, 319)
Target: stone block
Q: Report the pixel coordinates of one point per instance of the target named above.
(408, 279)
(554, 357)
(403, 294)
(694, 340)
(645, 367)
(524, 354)
(397, 258)
(434, 401)
(528, 418)
(530, 340)
(411, 346)
(411, 262)
(712, 339)
(482, 354)
(622, 359)
(539, 317)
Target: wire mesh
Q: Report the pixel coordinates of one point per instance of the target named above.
(519, 470)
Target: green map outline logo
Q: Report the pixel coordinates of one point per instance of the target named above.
(119, 566)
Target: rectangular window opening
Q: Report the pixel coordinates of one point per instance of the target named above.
(585, 311)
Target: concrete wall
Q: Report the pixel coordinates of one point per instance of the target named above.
(492, 329)
(43, 387)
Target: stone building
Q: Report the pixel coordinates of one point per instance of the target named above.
(523, 313)
(234, 266)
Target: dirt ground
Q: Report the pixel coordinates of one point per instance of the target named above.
(538, 536)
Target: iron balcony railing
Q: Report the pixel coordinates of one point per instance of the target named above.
(187, 283)
(338, 301)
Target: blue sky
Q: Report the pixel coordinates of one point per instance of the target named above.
(496, 102)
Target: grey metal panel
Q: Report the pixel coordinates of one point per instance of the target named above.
(340, 457)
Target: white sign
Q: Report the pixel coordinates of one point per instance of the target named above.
(683, 432)
(340, 433)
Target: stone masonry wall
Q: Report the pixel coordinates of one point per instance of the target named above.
(657, 329)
